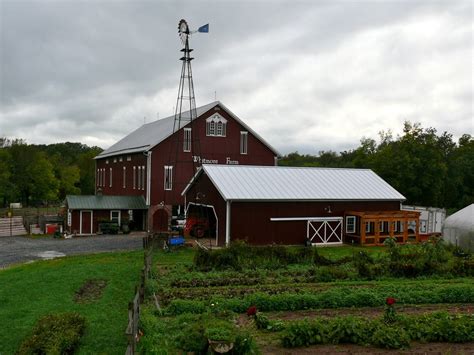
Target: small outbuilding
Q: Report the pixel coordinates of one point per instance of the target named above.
(85, 213)
(292, 205)
(458, 228)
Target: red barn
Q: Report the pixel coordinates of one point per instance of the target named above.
(290, 205)
(157, 164)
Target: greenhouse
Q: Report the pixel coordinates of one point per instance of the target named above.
(459, 228)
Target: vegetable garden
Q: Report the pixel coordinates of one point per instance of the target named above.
(247, 300)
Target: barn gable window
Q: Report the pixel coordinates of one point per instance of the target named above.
(216, 126)
(110, 177)
(350, 224)
(187, 140)
(168, 177)
(244, 142)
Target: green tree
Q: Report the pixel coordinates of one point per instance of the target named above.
(5, 175)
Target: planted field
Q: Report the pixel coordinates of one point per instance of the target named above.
(274, 298)
(96, 287)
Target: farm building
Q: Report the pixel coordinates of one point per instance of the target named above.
(287, 205)
(458, 228)
(85, 213)
(157, 160)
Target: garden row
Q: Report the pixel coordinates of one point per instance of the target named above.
(332, 298)
(432, 258)
(436, 327)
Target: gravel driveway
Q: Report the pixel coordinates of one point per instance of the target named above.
(22, 249)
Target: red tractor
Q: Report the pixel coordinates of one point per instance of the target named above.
(196, 227)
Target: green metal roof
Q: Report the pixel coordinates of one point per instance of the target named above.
(101, 202)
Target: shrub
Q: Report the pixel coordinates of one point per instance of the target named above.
(245, 345)
(192, 337)
(55, 334)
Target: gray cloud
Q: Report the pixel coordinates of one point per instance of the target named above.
(308, 76)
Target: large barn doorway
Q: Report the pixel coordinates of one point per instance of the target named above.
(201, 222)
(324, 230)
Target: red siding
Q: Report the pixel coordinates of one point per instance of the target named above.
(251, 220)
(97, 216)
(170, 152)
(117, 174)
(210, 148)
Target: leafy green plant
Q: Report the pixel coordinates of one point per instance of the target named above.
(55, 334)
(390, 337)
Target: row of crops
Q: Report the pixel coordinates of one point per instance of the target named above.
(229, 298)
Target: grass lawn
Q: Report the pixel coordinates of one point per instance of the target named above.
(30, 291)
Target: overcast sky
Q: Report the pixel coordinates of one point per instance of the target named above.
(306, 75)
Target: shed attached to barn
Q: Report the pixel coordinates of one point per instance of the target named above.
(290, 205)
(85, 213)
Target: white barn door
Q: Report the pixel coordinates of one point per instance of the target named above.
(324, 231)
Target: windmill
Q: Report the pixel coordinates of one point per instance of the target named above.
(185, 114)
(186, 85)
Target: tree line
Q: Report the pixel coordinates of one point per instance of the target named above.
(37, 174)
(428, 168)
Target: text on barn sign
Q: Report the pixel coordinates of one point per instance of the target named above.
(228, 161)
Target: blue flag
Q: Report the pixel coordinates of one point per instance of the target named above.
(204, 28)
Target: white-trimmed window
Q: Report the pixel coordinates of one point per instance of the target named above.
(139, 180)
(120, 159)
(244, 138)
(129, 157)
(368, 227)
(350, 224)
(103, 177)
(115, 160)
(106, 161)
(216, 126)
(143, 177)
(134, 177)
(124, 177)
(97, 182)
(399, 226)
(115, 217)
(168, 177)
(187, 140)
(110, 177)
(383, 226)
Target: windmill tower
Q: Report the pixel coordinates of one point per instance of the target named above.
(186, 99)
(185, 146)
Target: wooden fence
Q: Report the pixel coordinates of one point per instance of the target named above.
(132, 331)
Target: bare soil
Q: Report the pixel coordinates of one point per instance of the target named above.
(373, 312)
(90, 291)
(346, 349)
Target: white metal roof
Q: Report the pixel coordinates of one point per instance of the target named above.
(273, 183)
(153, 133)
